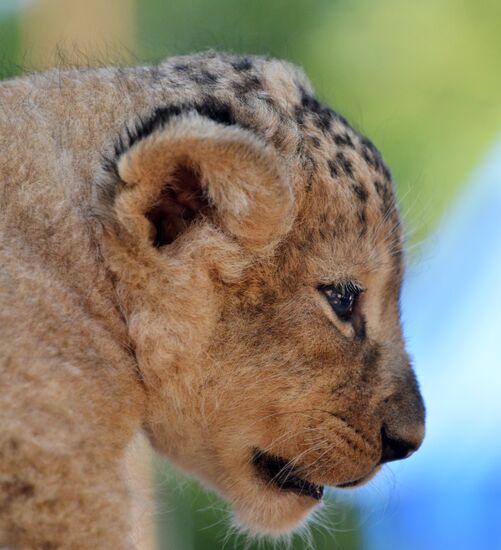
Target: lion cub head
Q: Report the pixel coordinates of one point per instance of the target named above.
(256, 247)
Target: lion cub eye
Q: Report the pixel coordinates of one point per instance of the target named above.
(342, 298)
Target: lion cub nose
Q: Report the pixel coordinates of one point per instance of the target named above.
(395, 449)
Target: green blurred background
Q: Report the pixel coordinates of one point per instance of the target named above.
(421, 79)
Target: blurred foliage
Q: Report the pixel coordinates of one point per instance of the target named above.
(9, 45)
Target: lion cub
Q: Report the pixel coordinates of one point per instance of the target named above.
(203, 250)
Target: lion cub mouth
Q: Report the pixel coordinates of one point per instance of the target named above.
(284, 475)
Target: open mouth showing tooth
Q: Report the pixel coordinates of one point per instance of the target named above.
(282, 474)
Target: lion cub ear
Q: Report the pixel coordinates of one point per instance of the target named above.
(192, 167)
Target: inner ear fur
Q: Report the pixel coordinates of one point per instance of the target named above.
(194, 167)
(181, 201)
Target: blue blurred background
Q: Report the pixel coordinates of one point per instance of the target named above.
(423, 80)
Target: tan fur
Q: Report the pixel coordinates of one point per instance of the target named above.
(218, 343)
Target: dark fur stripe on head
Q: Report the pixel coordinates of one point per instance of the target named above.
(212, 108)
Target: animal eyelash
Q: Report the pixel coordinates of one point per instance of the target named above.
(345, 286)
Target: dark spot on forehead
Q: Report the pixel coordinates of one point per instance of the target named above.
(345, 164)
(322, 120)
(248, 83)
(216, 110)
(333, 168)
(371, 155)
(322, 115)
(343, 140)
(181, 67)
(243, 64)
(379, 188)
(299, 114)
(385, 193)
(360, 191)
(369, 159)
(373, 158)
(369, 146)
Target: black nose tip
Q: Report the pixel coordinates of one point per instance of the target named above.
(394, 449)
